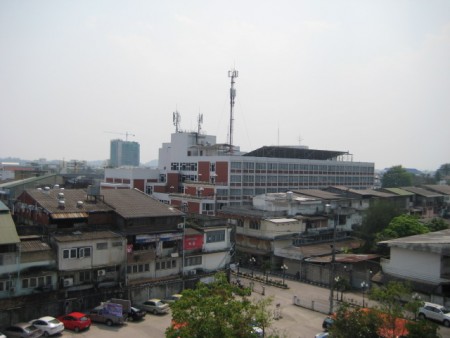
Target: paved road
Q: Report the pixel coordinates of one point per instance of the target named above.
(294, 321)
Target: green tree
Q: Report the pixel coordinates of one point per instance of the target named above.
(217, 309)
(376, 218)
(396, 177)
(402, 226)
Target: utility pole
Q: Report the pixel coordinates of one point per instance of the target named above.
(232, 74)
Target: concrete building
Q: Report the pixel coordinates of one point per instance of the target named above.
(124, 153)
(423, 260)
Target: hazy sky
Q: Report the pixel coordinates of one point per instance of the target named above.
(368, 77)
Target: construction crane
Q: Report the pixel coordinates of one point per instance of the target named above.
(125, 133)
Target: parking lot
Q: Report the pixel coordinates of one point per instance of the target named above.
(292, 321)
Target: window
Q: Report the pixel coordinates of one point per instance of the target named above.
(102, 246)
(215, 236)
(117, 244)
(76, 253)
(85, 276)
(236, 165)
(240, 222)
(190, 261)
(33, 282)
(84, 252)
(255, 224)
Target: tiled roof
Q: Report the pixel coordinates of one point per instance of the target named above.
(132, 203)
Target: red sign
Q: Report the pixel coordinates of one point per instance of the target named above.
(193, 242)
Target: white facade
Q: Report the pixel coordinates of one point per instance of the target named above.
(90, 253)
(418, 265)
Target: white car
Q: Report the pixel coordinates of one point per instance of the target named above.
(49, 325)
(155, 306)
(435, 312)
(323, 335)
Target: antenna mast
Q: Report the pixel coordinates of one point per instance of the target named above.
(233, 74)
(176, 120)
(199, 123)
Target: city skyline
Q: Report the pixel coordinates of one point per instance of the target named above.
(368, 78)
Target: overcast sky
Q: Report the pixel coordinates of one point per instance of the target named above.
(368, 77)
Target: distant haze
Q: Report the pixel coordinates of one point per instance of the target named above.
(368, 77)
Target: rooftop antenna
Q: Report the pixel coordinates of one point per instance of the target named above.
(176, 120)
(199, 123)
(232, 74)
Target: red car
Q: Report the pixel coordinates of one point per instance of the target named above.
(75, 321)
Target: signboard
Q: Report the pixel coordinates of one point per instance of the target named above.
(193, 242)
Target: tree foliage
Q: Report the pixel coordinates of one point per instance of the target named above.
(355, 323)
(442, 172)
(436, 224)
(217, 309)
(396, 177)
(391, 317)
(402, 226)
(377, 217)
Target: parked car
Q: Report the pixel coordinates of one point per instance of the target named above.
(76, 321)
(136, 314)
(324, 334)
(50, 325)
(327, 323)
(105, 314)
(2, 335)
(23, 330)
(435, 312)
(155, 306)
(172, 298)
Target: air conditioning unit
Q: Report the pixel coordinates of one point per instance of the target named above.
(180, 225)
(101, 273)
(68, 282)
(192, 272)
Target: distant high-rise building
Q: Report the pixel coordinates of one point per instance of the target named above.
(124, 153)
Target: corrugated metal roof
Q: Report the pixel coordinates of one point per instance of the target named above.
(8, 232)
(443, 189)
(326, 195)
(422, 192)
(132, 203)
(49, 200)
(399, 192)
(437, 241)
(31, 246)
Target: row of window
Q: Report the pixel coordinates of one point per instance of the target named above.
(104, 245)
(34, 282)
(183, 166)
(73, 253)
(301, 167)
(297, 179)
(215, 236)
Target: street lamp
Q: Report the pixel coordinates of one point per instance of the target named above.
(363, 286)
(284, 268)
(337, 281)
(252, 261)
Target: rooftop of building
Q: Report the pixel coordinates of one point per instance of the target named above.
(133, 203)
(436, 242)
(86, 236)
(295, 152)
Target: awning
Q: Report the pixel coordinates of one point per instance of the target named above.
(67, 215)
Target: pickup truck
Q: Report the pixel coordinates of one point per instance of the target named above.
(108, 313)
